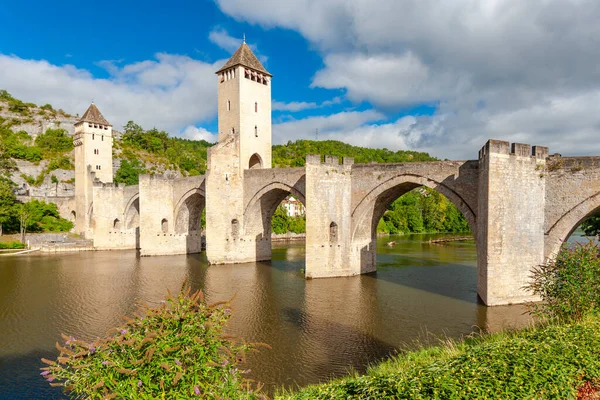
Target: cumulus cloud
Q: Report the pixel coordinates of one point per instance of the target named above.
(348, 126)
(168, 92)
(504, 69)
(195, 133)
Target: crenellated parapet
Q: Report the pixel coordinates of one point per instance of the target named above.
(514, 149)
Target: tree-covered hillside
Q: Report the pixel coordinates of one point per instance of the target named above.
(293, 154)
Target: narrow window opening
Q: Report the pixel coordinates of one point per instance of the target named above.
(117, 224)
(255, 131)
(233, 131)
(93, 136)
(228, 105)
(164, 224)
(333, 232)
(235, 228)
(103, 138)
(256, 106)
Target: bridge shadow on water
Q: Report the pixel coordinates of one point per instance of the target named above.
(457, 281)
(337, 348)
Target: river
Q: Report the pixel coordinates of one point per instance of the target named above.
(317, 328)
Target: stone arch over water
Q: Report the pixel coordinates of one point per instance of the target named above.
(373, 205)
(560, 231)
(188, 212)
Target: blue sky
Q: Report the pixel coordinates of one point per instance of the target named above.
(438, 76)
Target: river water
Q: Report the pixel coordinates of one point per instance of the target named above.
(318, 329)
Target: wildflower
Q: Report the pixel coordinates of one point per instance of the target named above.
(45, 373)
(227, 311)
(178, 362)
(50, 379)
(196, 390)
(224, 363)
(104, 362)
(92, 350)
(123, 331)
(140, 383)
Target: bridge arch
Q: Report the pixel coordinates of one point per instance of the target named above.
(370, 209)
(568, 222)
(262, 206)
(132, 212)
(188, 211)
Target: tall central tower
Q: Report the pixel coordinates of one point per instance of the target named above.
(244, 93)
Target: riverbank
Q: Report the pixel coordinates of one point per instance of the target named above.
(550, 362)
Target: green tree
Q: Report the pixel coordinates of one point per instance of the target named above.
(129, 172)
(55, 141)
(591, 226)
(7, 205)
(280, 221)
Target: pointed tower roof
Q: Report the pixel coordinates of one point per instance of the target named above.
(244, 56)
(94, 116)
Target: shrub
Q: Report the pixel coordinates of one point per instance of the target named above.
(174, 351)
(569, 285)
(12, 245)
(55, 141)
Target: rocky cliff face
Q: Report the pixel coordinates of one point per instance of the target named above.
(36, 120)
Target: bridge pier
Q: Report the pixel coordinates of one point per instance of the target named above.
(510, 220)
(328, 218)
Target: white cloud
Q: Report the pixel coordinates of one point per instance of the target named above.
(195, 133)
(335, 126)
(295, 106)
(169, 92)
(221, 38)
(504, 69)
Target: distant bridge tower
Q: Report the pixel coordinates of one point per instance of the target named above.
(93, 142)
(244, 96)
(244, 93)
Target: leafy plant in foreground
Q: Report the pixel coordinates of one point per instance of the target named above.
(174, 351)
(569, 285)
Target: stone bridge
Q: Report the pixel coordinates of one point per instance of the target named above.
(520, 203)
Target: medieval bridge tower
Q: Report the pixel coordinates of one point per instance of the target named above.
(244, 112)
(93, 142)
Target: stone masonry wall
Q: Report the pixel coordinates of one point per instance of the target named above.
(328, 217)
(510, 220)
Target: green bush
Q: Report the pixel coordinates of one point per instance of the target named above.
(569, 285)
(55, 141)
(129, 172)
(12, 245)
(174, 351)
